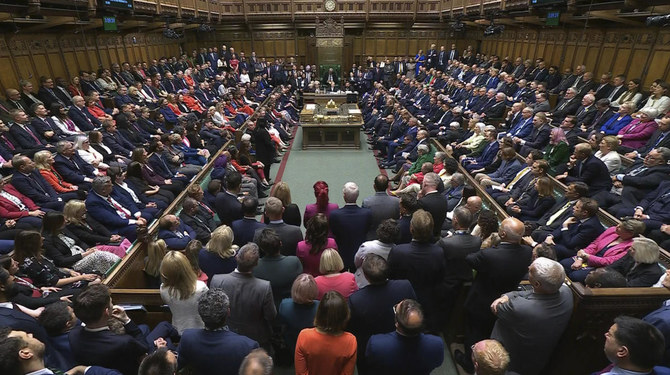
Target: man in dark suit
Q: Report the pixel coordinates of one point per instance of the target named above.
(245, 228)
(530, 323)
(381, 205)
(14, 100)
(228, 207)
(603, 89)
(30, 183)
(45, 125)
(372, 306)
(654, 211)
(455, 248)
(26, 136)
(422, 263)
(350, 225)
(254, 309)
(567, 106)
(47, 94)
(113, 139)
(175, 233)
(126, 196)
(538, 137)
(499, 269)
(407, 350)
(585, 167)
(105, 209)
(95, 344)
(561, 211)
(587, 111)
(80, 115)
(586, 85)
(214, 349)
(290, 234)
(202, 225)
(72, 167)
(639, 180)
(660, 138)
(577, 231)
(433, 202)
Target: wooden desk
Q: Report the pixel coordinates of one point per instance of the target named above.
(323, 98)
(331, 127)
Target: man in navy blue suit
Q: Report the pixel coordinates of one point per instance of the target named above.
(372, 307)
(72, 167)
(350, 225)
(105, 209)
(127, 197)
(244, 228)
(228, 207)
(578, 231)
(585, 167)
(215, 349)
(44, 125)
(488, 154)
(26, 136)
(175, 233)
(199, 220)
(407, 350)
(31, 184)
(80, 115)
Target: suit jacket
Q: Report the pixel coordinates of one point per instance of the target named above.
(499, 270)
(117, 143)
(564, 108)
(350, 225)
(103, 212)
(382, 206)
(179, 238)
(436, 205)
(19, 321)
(578, 235)
(593, 173)
(538, 138)
(395, 354)
(656, 204)
(530, 326)
(34, 187)
(637, 186)
(213, 352)
(585, 115)
(59, 252)
(636, 133)
(424, 266)
(290, 236)
(637, 276)
(48, 124)
(202, 225)
(497, 110)
(74, 169)
(455, 248)
(371, 310)
(107, 349)
(244, 230)
(657, 140)
(506, 172)
(83, 118)
(25, 140)
(252, 308)
(228, 207)
(96, 234)
(9, 210)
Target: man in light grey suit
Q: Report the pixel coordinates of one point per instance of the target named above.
(252, 308)
(290, 234)
(382, 205)
(530, 323)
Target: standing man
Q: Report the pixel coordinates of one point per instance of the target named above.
(350, 225)
(382, 205)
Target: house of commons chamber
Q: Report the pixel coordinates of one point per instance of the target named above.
(500, 173)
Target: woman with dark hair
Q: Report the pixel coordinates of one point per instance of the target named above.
(137, 182)
(67, 250)
(244, 160)
(42, 271)
(327, 349)
(140, 155)
(28, 294)
(108, 156)
(322, 205)
(316, 241)
(62, 120)
(387, 234)
(632, 94)
(487, 228)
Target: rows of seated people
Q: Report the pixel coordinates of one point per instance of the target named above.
(367, 284)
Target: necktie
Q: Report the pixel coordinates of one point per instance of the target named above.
(125, 214)
(518, 177)
(18, 105)
(39, 186)
(9, 144)
(658, 141)
(558, 213)
(32, 135)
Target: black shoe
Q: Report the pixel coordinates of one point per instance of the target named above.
(261, 194)
(395, 170)
(276, 160)
(461, 360)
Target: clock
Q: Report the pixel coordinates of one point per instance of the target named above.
(329, 5)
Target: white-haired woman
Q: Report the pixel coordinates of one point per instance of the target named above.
(89, 154)
(640, 266)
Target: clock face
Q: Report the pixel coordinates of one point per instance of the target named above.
(330, 5)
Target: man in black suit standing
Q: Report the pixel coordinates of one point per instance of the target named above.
(290, 235)
(350, 225)
(245, 228)
(456, 246)
(382, 205)
(372, 307)
(227, 206)
(499, 270)
(433, 202)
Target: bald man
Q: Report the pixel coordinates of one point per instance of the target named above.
(499, 270)
(407, 350)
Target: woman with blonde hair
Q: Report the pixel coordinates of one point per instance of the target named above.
(291, 214)
(607, 152)
(156, 250)
(218, 256)
(181, 290)
(192, 252)
(44, 162)
(91, 231)
(333, 278)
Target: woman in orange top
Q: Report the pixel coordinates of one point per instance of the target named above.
(95, 110)
(241, 105)
(327, 349)
(75, 87)
(172, 104)
(44, 162)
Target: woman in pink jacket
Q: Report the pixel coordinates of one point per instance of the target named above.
(636, 134)
(604, 250)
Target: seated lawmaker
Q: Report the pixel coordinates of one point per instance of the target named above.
(106, 210)
(660, 138)
(606, 249)
(638, 132)
(487, 156)
(618, 120)
(640, 266)
(72, 167)
(30, 183)
(538, 200)
(19, 211)
(577, 231)
(654, 211)
(585, 167)
(133, 198)
(175, 233)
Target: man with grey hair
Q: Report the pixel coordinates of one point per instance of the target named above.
(110, 213)
(290, 235)
(258, 362)
(433, 202)
(253, 309)
(530, 323)
(202, 225)
(72, 167)
(499, 270)
(214, 349)
(350, 225)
